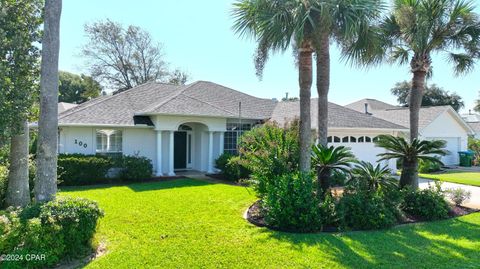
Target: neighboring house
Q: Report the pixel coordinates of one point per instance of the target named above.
(62, 107)
(436, 122)
(474, 121)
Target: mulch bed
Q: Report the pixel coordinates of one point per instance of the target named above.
(255, 216)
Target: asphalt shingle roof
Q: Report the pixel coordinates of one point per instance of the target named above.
(338, 116)
(401, 116)
(201, 98)
(475, 126)
(373, 104)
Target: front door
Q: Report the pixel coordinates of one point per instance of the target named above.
(180, 150)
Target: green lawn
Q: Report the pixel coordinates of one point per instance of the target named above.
(196, 224)
(467, 178)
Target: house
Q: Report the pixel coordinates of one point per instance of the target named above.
(436, 122)
(474, 121)
(188, 127)
(63, 106)
(346, 127)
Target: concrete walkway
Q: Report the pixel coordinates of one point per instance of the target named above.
(474, 201)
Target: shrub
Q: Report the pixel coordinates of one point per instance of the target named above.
(426, 166)
(57, 229)
(270, 152)
(77, 169)
(366, 210)
(427, 204)
(222, 160)
(3, 184)
(136, 168)
(458, 195)
(290, 203)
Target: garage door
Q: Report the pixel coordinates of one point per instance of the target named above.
(362, 147)
(453, 147)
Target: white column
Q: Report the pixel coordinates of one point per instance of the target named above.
(210, 152)
(170, 155)
(222, 141)
(159, 153)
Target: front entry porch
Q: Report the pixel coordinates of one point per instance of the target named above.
(192, 146)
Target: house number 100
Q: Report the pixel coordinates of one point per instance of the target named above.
(80, 143)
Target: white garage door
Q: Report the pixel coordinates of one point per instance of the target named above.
(453, 147)
(362, 146)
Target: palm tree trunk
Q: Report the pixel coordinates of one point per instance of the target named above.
(323, 179)
(46, 182)
(323, 85)
(18, 190)
(409, 175)
(415, 103)
(305, 83)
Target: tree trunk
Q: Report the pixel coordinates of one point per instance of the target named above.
(323, 177)
(415, 103)
(18, 190)
(409, 175)
(323, 86)
(46, 181)
(305, 83)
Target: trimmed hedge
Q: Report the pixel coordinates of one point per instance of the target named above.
(59, 229)
(78, 169)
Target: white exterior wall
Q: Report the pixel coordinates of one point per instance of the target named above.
(447, 128)
(364, 151)
(135, 141)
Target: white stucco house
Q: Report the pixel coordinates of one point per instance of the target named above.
(188, 127)
(436, 122)
(474, 121)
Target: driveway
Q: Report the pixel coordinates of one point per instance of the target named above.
(474, 201)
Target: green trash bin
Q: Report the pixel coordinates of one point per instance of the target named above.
(466, 158)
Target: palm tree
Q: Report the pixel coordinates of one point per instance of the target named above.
(410, 153)
(372, 178)
(418, 28)
(326, 160)
(46, 179)
(344, 22)
(277, 26)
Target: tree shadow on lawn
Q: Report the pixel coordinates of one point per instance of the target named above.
(442, 244)
(144, 186)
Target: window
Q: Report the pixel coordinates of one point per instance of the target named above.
(375, 139)
(345, 139)
(336, 139)
(361, 139)
(109, 141)
(353, 139)
(329, 139)
(233, 133)
(368, 139)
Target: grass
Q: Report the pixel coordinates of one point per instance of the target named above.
(196, 224)
(467, 178)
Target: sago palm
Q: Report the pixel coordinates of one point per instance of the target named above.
(277, 26)
(326, 160)
(366, 176)
(409, 153)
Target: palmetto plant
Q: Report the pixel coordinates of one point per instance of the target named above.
(277, 26)
(367, 177)
(328, 159)
(409, 153)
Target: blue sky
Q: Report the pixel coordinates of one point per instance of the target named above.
(197, 37)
